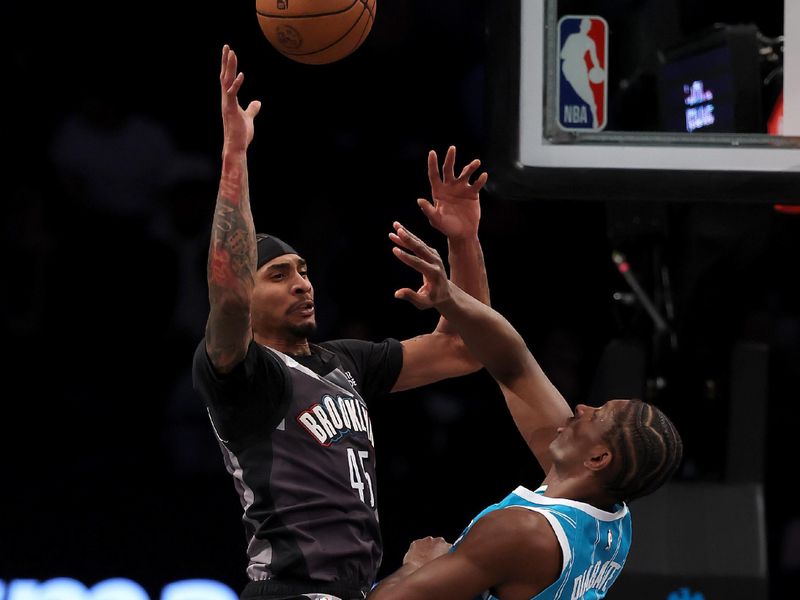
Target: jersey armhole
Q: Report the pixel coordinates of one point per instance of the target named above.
(279, 414)
(561, 536)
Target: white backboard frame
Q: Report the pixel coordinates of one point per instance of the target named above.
(535, 150)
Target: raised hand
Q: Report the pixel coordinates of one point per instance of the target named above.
(426, 260)
(455, 210)
(237, 123)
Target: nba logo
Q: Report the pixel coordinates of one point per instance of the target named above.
(582, 89)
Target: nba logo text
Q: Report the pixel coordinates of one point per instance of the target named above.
(582, 88)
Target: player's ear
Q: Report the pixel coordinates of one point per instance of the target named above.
(599, 458)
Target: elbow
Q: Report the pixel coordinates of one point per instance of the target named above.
(228, 316)
(469, 363)
(225, 350)
(228, 333)
(472, 365)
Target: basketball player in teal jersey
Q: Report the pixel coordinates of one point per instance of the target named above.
(569, 538)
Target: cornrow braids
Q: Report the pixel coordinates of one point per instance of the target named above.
(648, 447)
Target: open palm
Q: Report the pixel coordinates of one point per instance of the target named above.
(237, 122)
(455, 209)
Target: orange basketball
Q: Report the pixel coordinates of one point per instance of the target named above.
(316, 31)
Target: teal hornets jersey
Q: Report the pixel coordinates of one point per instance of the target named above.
(594, 543)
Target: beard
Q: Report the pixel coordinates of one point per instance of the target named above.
(306, 330)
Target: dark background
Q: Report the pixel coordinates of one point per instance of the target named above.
(113, 130)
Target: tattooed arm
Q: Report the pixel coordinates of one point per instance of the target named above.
(232, 253)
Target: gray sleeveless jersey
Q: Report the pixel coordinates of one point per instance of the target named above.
(308, 485)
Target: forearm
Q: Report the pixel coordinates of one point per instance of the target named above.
(384, 587)
(467, 271)
(488, 335)
(231, 264)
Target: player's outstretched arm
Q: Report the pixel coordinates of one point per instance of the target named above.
(232, 252)
(454, 210)
(536, 405)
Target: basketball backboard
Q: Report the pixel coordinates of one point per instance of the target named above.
(632, 103)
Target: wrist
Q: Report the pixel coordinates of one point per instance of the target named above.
(466, 240)
(445, 301)
(233, 162)
(233, 151)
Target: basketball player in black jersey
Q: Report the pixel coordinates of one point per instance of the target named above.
(292, 417)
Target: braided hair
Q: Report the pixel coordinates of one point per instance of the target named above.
(648, 447)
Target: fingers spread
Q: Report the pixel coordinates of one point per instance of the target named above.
(412, 242)
(469, 169)
(411, 251)
(427, 208)
(397, 240)
(224, 62)
(415, 263)
(405, 294)
(449, 161)
(433, 168)
(423, 267)
(413, 297)
(480, 181)
(228, 73)
(230, 67)
(408, 258)
(253, 108)
(233, 90)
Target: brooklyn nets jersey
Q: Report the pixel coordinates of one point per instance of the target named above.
(307, 482)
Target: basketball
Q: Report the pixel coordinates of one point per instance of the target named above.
(597, 75)
(316, 31)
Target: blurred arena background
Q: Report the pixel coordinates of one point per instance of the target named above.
(112, 127)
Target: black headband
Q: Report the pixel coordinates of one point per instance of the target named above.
(270, 247)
